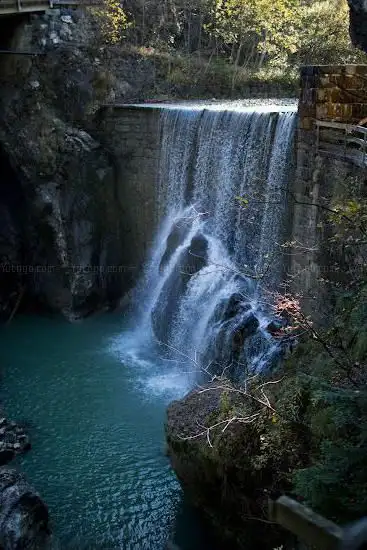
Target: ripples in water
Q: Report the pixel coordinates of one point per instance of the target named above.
(96, 408)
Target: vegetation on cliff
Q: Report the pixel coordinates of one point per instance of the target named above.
(329, 368)
(324, 386)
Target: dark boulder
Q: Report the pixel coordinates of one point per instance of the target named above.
(274, 327)
(230, 343)
(234, 306)
(6, 456)
(247, 326)
(229, 473)
(13, 441)
(23, 515)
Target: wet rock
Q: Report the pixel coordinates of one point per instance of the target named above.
(274, 327)
(174, 239)
(234, 306)
(66, 19)
(229, 479)
(248, 326)
(23, 515)
(190, 261)
(232, 339)
(13, 441)
(6, 456)
(195, 257)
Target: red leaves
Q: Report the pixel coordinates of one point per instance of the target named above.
(288, 308)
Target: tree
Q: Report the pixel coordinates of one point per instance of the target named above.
(323, 32)
(112, 20)
(264, 28)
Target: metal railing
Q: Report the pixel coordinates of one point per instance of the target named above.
(342, 140)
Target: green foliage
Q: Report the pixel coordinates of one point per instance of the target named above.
(291, 31)
(334, 482)
(112, 21)
(232, 44)
(349, 217)
(217, 78)
(270, 26)
(323, 33)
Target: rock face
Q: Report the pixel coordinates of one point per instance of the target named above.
(61, 233)
(23, 515)
(11, 211)
(358, 23)
(229, 473)
(70, 226)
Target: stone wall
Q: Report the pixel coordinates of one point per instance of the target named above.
(333, 93)
(131, 134)
(328, 94)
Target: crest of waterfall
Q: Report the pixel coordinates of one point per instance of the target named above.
(222, 199)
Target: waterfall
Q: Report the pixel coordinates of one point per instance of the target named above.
(223, 179)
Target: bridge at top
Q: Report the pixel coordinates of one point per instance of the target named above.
(8, 7)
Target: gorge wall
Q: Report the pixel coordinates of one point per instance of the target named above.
(66, 252)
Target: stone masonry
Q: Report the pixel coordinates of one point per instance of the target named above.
(131, 134)
(330, 94)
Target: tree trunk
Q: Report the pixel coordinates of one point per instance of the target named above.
(236, 66)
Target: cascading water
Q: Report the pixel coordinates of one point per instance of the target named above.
(107, 483)
(222, 198)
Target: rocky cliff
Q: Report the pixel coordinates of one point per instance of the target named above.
(23, 514)
(62, 228)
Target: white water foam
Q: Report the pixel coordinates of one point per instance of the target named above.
(202, 292)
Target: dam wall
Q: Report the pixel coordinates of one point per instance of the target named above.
(330, 164)
(331, 168)
(131, 134)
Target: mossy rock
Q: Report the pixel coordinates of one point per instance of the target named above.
(230, 473)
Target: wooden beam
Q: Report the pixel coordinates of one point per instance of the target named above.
(303, 522)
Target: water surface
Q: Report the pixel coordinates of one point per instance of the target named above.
(95, 407)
